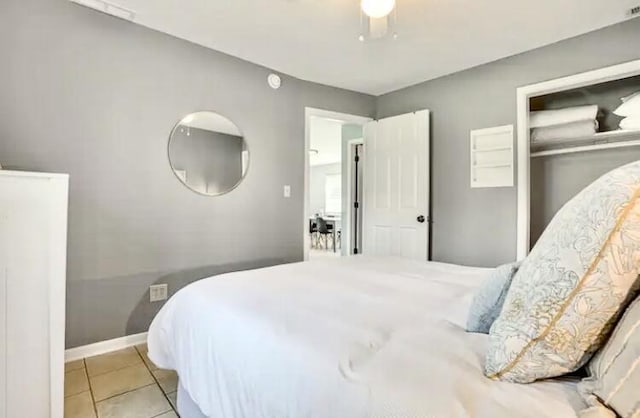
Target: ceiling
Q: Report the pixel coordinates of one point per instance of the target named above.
(325, 136)
(317, 40)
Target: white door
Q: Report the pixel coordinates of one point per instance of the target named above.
(396, 200)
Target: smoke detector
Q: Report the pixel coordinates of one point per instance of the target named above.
(274, 81)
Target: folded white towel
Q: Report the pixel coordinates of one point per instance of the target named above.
(565, 131)
(630, 106)
(545, 118)
(630, 123)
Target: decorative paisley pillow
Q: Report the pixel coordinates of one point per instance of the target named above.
(568, 292)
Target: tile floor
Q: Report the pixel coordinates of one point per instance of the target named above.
(121, 384)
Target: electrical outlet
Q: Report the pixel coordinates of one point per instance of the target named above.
(158, 292)
(287, 191)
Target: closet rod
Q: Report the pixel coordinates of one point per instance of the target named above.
(586, 148)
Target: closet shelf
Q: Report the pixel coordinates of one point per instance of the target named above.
(491, 149)
(492, 165)
(599, 141)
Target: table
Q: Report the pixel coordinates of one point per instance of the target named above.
(334, 221)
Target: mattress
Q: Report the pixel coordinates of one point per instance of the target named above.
(345, 338)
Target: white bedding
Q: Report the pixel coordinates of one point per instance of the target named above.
(345, 338)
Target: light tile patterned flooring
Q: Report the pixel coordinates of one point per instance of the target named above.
(120, 384)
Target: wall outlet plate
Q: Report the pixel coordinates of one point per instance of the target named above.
(158, 292)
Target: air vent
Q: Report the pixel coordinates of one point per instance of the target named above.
(634, 11)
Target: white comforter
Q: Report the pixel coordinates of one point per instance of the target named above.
(345, 338)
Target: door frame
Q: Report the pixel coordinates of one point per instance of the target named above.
(310, 112)
(347, 247)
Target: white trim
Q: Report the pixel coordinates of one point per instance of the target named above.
(347, 246)
(58, 289)
(103, 347)
(13, 173)
(603, 75)
(310, 112)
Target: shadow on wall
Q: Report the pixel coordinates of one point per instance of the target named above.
(103, 309)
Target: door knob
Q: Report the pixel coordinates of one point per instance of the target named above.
(420, 219)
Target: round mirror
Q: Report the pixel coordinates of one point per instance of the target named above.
(208, 153)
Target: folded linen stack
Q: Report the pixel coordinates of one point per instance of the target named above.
(630, 111)
(568, 123)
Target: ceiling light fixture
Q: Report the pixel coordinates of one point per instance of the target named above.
(377, 19)
(377, 9)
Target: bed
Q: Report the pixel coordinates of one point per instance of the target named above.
(345, 338)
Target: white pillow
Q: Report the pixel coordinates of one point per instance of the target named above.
(630, 107)
(630, 123)
(624, 99)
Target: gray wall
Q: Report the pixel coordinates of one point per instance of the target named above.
(97, 97)
(212, 160)
(478, 226)
(317, 193)
(556, 179)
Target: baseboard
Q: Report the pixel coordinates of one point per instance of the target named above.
(102, 347)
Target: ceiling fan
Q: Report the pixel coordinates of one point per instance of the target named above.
(377, 19)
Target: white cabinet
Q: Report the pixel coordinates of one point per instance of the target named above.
(492, 157)
(33, 246)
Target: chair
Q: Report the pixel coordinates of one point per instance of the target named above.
(324, 230)
(313, 232)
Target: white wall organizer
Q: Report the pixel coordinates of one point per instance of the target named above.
(492, 157)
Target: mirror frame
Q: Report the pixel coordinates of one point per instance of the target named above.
(173, 169)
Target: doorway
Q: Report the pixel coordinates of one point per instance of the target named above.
(328, 215)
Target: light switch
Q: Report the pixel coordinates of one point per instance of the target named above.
(287, 191)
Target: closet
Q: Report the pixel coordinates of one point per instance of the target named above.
(568, 136)
(33, 243)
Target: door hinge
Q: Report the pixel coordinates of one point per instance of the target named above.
(356, 205)
(357, 158)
